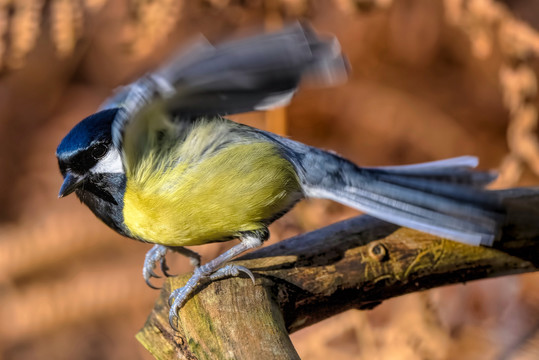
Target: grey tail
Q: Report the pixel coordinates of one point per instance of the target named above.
(256, 73)
(444, 198)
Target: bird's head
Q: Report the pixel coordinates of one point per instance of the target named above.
(87, 150)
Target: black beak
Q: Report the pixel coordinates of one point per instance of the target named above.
(71, 183)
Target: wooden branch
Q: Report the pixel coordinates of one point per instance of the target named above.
(356, 263)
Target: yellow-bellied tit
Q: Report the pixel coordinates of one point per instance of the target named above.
(159, 163)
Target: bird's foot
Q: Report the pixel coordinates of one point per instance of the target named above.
(230, 271)
(155, 255)
(214, 270)
(201, 274)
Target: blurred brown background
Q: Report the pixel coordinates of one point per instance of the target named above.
(431, 79)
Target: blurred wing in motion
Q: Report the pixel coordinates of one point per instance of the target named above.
(256, 73)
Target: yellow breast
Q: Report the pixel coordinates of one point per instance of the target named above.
(210, 191)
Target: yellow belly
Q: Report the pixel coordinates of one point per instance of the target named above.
(236, 189)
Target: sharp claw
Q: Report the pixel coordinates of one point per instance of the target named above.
(165, 268)
(172, 315)
(167, 274)
(151, 285)
(180, 297)
(246, 271)
(171, 321)
(153, 274)
(232, 270)
(157, 253)
(148, 275)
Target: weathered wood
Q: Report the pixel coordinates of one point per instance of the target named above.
(356, 263)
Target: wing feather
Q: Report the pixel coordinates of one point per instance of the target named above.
(256, 73)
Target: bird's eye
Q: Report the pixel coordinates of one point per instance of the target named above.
(99, 151)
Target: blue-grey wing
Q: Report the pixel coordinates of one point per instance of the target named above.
(255, 73)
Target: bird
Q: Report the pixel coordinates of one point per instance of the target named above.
(159, 162)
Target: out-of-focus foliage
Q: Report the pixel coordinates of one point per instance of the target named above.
(430, 79)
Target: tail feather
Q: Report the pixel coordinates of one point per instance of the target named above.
(443, 198)
(466, 193)
(451, 171)
(407, 217)
(409, 195)
(452, 163)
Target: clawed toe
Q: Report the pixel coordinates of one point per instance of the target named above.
(147, 278)
(179, 297)
(232, 270)
(165, 268)
(156, 254)
(212, 270)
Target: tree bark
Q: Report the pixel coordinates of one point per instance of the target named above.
(356, 263)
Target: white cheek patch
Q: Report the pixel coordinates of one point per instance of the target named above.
(111, 163)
